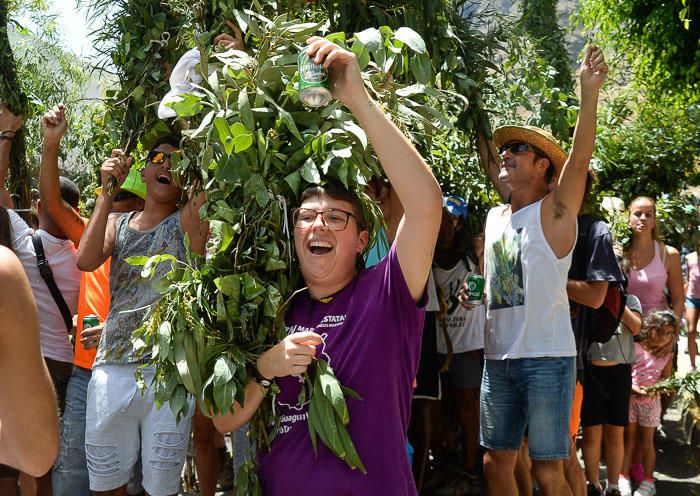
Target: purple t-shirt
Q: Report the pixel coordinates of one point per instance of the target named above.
(372, 334)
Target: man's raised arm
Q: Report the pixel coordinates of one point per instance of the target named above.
(66, 217)
(97, 243)
(561, 208)
(408, 173)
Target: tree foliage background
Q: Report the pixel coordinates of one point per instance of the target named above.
(649, 137)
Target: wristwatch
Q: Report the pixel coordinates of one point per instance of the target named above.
(259, 379)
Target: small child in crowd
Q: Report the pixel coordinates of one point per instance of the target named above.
(653, 363)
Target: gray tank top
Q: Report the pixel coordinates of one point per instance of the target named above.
(131, 295)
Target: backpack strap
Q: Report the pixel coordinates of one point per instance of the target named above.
(47, 275)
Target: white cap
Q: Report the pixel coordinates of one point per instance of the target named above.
(182, 80)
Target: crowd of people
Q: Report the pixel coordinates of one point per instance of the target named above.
(506, 380)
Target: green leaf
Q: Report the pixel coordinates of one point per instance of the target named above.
(371, 38)
(164, 334)
(350, 393)
(312, 434)
(178, 402)
(294, 181)
(229, 285)
(224, 371)
(357, 131)
(411, 38)
(310, 173)
(242, 138)
(421, 68)
(352, 456)
(137, 260)
(224, 133)
(180, 356)
(189, 105)
(191, 353)
(331, 388)
(255, 187)
(244, 110)
(361, 53)
(251, 287)
(289, 122)
(337, 38)
(203, 126)
(220, 308)
(328, 419)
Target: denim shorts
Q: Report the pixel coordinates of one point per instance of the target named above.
(123, 424)
(692, 302)
(532, 393)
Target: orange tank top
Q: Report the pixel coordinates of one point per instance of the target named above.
(93, 300)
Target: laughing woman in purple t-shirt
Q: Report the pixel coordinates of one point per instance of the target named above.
(365, 323)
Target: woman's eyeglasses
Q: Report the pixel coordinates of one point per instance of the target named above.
(333, 218)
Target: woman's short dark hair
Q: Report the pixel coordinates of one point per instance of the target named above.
(337, 191)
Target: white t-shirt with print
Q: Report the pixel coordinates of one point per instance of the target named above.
(62, 256)
(464, 327)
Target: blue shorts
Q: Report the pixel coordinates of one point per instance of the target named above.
(528, 392)
(692, 302)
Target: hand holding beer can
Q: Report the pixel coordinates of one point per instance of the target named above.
(90, 339)
(475, 289)
(314, 90)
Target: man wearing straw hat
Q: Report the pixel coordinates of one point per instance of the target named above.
(529, 372)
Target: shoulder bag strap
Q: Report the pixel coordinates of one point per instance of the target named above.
(47, 276)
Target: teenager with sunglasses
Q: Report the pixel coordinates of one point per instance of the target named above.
(122, 423)
(530, 351)
(366, 322)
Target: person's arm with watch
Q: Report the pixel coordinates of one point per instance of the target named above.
(291, 356)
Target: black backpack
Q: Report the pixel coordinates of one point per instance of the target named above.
(601, 323)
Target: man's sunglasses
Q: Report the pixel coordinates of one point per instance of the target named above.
(519, 147)
(157, 158)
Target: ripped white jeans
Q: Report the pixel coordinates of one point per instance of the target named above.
(123, 424)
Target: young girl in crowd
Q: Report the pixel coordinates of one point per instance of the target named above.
(692, 301)
(653, 362)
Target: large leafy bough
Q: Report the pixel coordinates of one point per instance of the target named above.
(253, 147)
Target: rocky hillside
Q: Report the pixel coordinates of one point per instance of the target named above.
(575, 40)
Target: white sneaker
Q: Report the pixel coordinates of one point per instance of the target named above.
(624, 486)
(646, 488)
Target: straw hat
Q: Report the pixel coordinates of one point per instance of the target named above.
(536, 137)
